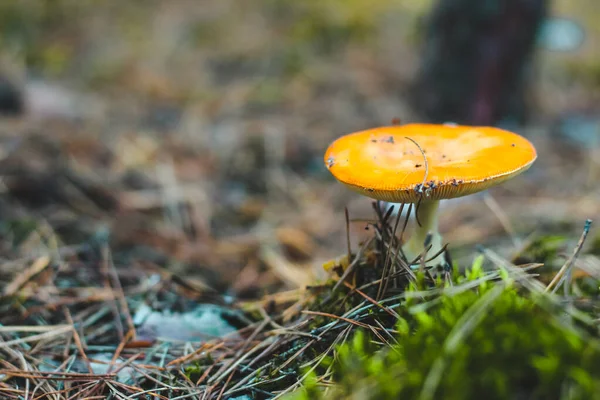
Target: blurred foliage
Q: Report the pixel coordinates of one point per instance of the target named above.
(18, 230)
(543, 249)
(324, 28)
(48, 35)
(595, 245)
(331, 23)
(55, 37)
(24, 28)
(494, 342)
(584, 72)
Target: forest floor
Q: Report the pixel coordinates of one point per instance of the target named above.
(169, 160)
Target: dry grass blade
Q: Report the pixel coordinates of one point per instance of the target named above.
(493, 205)
(565, 272)
(33, 338)
(78, 341)
(116, 284)
(348, 320)
(387, 264)
(21, 279)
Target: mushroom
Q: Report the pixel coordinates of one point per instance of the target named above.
(426, 163)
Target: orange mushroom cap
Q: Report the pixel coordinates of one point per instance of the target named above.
(388, 163)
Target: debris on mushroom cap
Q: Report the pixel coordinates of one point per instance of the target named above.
(405, 163)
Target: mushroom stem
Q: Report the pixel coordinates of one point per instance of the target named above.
(428, 218)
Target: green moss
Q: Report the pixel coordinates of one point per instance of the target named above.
(495, 342)
(193, 372)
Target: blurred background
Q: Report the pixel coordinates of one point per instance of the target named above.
(188, 135)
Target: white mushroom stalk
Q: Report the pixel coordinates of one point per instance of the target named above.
(425, 230)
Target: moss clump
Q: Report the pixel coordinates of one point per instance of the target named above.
(495, 342)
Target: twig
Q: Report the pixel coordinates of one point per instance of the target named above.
(78, 341)
(329, 315)
(113, 301)
(372, 301)
(566, 268)
(116, 284)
